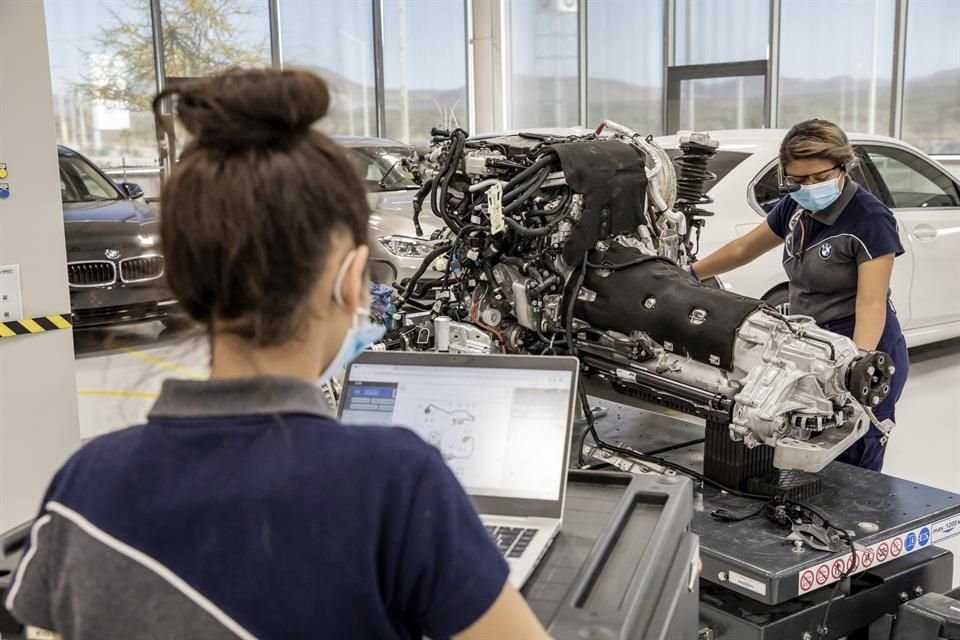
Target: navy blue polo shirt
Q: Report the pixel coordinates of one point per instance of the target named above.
(822, 250)
(242, 510)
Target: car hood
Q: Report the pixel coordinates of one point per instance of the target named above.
(126, 211)
(391, 213)
(110, 225)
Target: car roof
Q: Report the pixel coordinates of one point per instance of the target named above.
(367, 141)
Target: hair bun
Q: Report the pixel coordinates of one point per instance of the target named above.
(257, 108)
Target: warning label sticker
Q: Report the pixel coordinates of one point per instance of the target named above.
(839, 566)
(883, 550)
(878, 553)
(896, 547)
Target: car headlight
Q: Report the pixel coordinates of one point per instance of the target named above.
(406, 247)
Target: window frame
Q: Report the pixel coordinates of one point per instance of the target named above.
(92, 168)
(922, 159)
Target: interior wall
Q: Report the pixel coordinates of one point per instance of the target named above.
(38, 406)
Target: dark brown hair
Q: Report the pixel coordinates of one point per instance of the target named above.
(816, 138)
(249, 211)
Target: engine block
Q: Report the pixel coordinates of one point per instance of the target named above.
(577, 245)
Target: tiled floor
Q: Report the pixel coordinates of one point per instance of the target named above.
(119, 374)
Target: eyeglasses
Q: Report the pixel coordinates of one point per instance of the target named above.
(813, 178)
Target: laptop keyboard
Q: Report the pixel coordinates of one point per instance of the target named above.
(512, 541)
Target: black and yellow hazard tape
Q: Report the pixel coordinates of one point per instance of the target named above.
(28, 326)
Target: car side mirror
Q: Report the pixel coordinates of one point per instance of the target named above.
(132, 190)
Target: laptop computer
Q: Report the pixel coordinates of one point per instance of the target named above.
(502, 423)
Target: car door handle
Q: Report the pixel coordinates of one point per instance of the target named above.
(924, 233)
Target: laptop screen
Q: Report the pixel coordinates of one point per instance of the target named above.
(502, 431)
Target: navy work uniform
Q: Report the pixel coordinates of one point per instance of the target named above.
(242, 509)
(822, 251)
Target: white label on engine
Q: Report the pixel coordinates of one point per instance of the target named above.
(747, 583)
(629, 376)
(495, 208)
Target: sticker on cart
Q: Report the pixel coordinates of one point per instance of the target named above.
(883, 550)
(749, 584)
(823, 574)
(910, 541)
(945, 529)
(839, 566)
(878, 553)
(896, 547)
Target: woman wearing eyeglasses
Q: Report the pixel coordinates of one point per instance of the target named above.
(839, 243)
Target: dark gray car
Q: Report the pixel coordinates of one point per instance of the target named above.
(114, 265)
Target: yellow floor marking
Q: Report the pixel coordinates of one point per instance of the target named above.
(125, 394)
(146, 357)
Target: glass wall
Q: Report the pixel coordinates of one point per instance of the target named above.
(709, 31)
(334, 39)
(101, 62)
(543, 64)
(721, 103)
(846, 76)
(931, 99)
(625, 63)
(206, 36)
(835, 62)
(425, 78)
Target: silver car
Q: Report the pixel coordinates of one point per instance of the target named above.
(395, 250)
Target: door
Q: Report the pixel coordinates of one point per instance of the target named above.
(926, 201)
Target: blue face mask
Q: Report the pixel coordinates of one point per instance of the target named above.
(361, 335)
(817, 197)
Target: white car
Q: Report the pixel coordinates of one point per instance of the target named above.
(395, 249)
(924, 196)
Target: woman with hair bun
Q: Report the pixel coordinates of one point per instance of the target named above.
(242, 509)
(839, 243)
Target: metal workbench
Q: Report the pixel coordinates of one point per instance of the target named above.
(755, 583)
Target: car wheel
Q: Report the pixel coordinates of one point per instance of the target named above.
(779, 299)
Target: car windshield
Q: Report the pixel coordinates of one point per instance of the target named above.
(721, 164)
(80, 182)
(381, 167)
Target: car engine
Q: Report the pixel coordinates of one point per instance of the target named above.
(578, 245)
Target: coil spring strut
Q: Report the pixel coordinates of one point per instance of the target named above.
(693, 175)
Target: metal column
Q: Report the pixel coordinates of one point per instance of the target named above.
(379, 91)
(899, 60)
(276, 42)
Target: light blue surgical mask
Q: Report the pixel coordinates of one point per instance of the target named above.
(817, 197)
(361, 335)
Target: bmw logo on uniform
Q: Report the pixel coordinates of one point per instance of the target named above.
(825, 250)
(112, 254)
